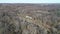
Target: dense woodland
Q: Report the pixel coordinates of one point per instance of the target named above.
(29, 18)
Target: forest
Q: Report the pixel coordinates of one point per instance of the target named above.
(21, 18)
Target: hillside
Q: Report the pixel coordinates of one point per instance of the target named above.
(29, 18)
